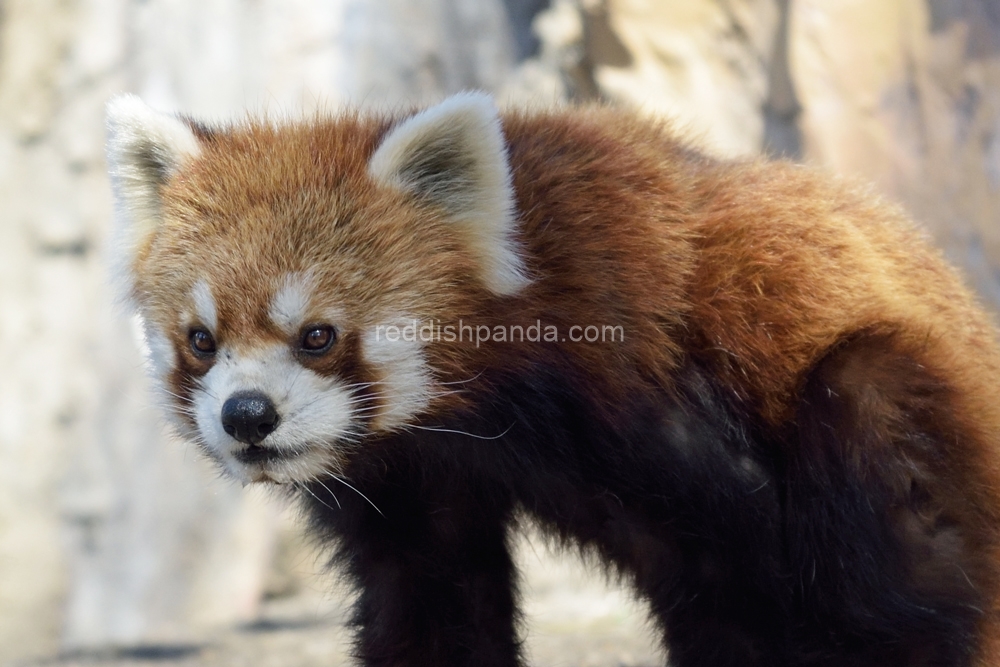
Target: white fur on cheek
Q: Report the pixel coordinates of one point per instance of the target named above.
(318, 415)
(405, 381)
(291, 303)
(161, 360)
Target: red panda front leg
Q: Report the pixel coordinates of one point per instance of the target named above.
(889, 551)
(431, 565)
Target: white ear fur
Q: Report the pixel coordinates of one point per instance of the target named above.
(145, 149)
(454, 155)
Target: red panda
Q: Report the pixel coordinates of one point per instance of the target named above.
(756, 393)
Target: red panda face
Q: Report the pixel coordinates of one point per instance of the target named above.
(266, 262)
(282, 399)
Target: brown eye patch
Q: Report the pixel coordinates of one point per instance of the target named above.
(202, 343)
(318, 339)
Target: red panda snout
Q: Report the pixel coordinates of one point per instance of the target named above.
(249, 416)
(267, 417)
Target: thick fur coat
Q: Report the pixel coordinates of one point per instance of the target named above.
(792, 449)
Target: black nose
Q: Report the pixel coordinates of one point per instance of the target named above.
(249, 416)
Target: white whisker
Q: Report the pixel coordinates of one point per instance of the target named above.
(471, 435)
(320, 482)
(472, 379)
(345, 483)
(305, 488)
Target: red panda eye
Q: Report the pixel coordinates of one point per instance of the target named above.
(202, 342)
(318, 339)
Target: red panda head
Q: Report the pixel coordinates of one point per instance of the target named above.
(263, 260)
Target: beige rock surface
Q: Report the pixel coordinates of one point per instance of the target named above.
(906, 94)
(53, 201)
(704, 64)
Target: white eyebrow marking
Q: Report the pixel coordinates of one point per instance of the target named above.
(290, 303)
(204, 305)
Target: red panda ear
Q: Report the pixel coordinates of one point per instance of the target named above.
(145, 149)
(454, 156)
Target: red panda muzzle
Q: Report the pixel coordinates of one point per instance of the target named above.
(249, 417)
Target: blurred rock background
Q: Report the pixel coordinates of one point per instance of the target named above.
(112, 533)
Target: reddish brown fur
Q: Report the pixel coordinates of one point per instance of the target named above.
(759, 271)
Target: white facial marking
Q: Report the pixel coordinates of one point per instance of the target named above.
(157, 349)
(405, 379)
(290, 304)
(204, 305)
(318, 415)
